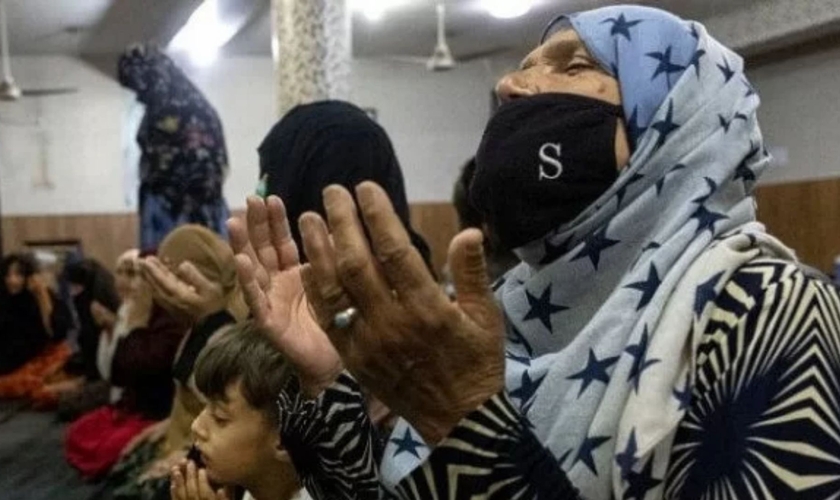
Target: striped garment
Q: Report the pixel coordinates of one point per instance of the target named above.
(762, 420)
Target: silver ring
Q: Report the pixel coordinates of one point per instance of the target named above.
(345, 318)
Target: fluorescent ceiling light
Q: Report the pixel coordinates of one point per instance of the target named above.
(507, 9)
(374, 10)
(203, 34)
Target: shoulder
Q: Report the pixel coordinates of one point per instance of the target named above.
(764, 273)
(764, 285)
(768, 307)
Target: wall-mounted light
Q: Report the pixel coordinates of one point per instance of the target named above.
(203, 34)
(507, 9)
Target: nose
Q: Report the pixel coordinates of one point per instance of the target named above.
(197, 427)
(513, 86)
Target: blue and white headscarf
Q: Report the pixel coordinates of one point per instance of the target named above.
(601, 313)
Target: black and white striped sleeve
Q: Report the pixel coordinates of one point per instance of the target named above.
(491, 454)
(331, 441)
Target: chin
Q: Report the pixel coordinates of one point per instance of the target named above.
(213, 476)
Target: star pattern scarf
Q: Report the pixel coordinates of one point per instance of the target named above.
(601, 312)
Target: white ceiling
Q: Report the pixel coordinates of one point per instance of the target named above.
(51, 26)
(97, 27)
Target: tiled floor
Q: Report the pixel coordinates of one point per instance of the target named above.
(32, 465)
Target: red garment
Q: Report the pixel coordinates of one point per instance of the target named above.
(29, 380)
(93, 442)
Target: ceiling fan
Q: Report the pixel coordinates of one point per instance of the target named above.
(442, 58)
(9, 90)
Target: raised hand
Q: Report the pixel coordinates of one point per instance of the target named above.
(268, 268)
(183, 291)
(431, 360)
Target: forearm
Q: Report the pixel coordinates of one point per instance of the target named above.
(45, 307)
(331, 441)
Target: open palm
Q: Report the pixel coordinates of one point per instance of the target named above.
(269, 270)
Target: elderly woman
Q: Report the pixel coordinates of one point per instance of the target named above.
(658, 342)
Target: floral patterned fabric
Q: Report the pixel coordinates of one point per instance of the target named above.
(184, 159)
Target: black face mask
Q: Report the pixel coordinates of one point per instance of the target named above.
(542, 161)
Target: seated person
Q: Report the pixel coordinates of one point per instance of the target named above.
(194, 279)
(33, 324)
(114, 327)
(93, 289)
(145, 340)
(239, 374)
(75, 396)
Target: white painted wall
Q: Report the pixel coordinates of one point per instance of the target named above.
(434, 119)
(800, 115)
(78, 138)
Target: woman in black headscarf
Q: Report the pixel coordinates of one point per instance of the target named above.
(330, 142)
(25, 313)
(90, 283)
(32, 322)
(312, 147)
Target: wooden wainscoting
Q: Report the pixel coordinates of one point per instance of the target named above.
(105, 236)
(805, 215)
(438, 224)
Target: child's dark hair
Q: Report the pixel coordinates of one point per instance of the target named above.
(244, 354)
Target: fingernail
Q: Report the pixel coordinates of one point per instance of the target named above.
(364, 194)
(362, 187)
(305, 224)
(330, 194)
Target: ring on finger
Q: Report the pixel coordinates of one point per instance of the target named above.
(343, 319)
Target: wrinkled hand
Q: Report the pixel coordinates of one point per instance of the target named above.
(431, 360)
(184, 292)
(191, 483)
(268, 267)
(103, 317)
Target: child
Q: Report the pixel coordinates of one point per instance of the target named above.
(240, 374)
